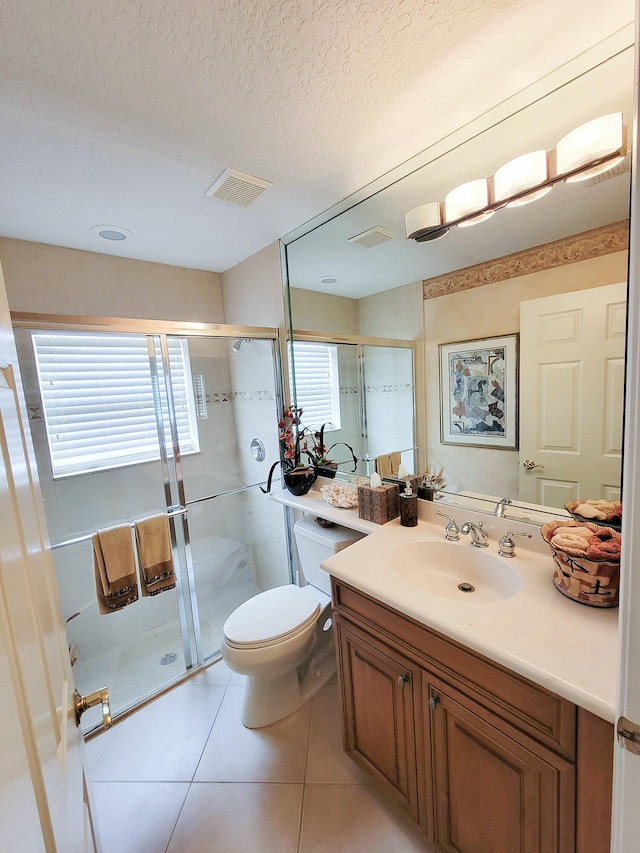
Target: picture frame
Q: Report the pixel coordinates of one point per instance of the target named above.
(479, 392)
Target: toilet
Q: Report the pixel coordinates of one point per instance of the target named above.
(282, 639)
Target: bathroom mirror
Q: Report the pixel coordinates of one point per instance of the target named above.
(374, 285)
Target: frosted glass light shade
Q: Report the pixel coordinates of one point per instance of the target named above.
(466, 199)
(597, 138)
(518, 175)
(424, 222)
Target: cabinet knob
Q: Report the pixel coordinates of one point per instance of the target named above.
(434, 701)
(403, 679)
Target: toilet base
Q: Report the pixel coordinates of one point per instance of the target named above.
(270, 698)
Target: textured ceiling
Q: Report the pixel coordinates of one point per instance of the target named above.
(124, 113)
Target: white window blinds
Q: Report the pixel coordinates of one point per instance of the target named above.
(317, 383)
(98, 401)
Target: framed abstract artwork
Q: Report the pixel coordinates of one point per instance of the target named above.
(479, 392)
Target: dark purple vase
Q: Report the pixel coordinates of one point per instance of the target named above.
(299, 480)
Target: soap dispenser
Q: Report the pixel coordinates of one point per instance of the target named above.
(408, 507)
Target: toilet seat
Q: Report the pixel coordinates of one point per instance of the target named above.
(271, 617)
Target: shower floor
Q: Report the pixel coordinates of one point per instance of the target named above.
(142, 666)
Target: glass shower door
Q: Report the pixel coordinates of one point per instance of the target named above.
(236, 535)
(104, 473)
(196, 403)
(388, 400)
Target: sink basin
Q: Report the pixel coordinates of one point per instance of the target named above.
(456, 571)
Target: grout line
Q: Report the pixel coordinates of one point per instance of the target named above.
(304, 775)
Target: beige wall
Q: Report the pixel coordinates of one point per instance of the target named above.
(323, 312)
(55, 280)
(395, 313)
(493, 309)
(252, 290)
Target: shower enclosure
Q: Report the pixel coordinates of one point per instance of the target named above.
(135, 418)
(373, 396)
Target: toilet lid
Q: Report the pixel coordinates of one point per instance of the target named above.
(271, 615)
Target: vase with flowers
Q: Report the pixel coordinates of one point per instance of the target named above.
(299, 469)
(326, 466)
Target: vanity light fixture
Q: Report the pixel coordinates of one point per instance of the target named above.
(471, 197)
(602, 137)
(424, 223)
(519, 175)
(591, 149)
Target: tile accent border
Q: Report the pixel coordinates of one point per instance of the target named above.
(568, 250)
(264, 395)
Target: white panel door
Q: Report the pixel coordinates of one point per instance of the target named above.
(43, 803)
(572, 395)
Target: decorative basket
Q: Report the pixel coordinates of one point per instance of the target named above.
(595, 581)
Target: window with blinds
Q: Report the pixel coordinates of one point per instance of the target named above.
(317, 383)
(98, 400)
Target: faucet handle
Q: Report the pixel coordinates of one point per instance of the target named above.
(451, 531)
(507, 547)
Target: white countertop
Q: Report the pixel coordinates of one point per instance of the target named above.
(569, 648)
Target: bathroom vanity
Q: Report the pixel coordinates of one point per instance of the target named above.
(482, 758)
(489, 721)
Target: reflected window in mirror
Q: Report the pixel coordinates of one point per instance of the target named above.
(316, 379)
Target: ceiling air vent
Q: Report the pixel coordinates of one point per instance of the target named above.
(238, 188)
(372, 237)
(619, 169)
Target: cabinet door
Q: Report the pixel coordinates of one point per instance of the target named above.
(495, 789)
(379, 718)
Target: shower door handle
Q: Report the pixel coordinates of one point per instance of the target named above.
(98, 697)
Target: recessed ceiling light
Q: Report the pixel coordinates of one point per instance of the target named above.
(328, 279)
(112, 232)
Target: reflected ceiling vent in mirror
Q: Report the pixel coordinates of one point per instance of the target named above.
(622, 167)
(373, 237)
(238, 188)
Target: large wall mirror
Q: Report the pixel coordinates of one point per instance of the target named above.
(384, 290)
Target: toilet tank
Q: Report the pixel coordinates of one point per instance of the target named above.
(315, 543)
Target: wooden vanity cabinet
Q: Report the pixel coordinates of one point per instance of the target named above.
(379, 692)
(483, 759)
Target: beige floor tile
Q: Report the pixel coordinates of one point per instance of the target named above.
(137, 816)
(274, 753)
(162, 741)
(357, 819)
(94, 748)
(217, 673)
(239, 818)
(326, 760)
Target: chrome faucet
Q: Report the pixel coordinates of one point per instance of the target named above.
(451, 531)
(479, 538)
(507, 547)
(499, 507)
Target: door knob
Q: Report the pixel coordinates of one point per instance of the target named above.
(529, 465)
(402, 680)
(98, 697)
(434, 701)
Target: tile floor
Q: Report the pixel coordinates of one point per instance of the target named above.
(183, 775)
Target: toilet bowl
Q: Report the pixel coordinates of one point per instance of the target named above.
(282, 639)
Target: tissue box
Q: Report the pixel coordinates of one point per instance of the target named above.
(378, 505)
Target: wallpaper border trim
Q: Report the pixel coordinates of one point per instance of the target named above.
(568, 250)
